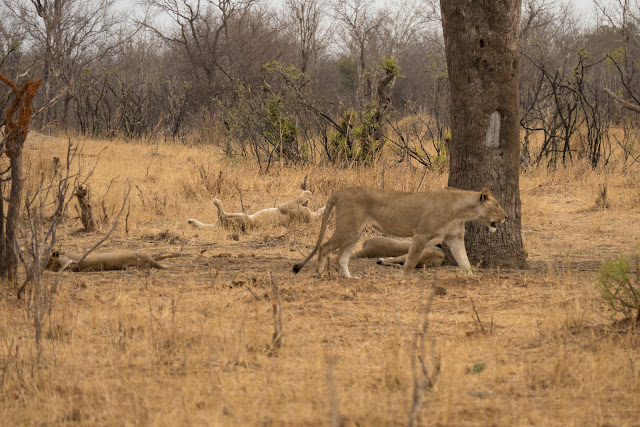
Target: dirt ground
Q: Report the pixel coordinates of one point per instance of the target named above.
(195, 343)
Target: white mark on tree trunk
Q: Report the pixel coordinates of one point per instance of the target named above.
(492, 134)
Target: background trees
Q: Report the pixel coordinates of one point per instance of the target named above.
(173, 69)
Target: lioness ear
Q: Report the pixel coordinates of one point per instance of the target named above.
(484, 196)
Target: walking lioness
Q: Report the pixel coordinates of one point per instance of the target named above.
(429, 218)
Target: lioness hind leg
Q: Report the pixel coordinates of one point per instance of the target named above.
(340, 241)
(323, 259)
(230, 219)
(344, 255)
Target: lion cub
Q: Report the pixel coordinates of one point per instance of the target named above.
(429, 218)
(282, 214)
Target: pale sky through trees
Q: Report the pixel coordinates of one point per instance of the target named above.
(584, 6)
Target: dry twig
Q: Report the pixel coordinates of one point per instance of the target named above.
(476, 319)
(276, 303)
(422, 380)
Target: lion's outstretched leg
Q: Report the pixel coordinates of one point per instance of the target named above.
(397, 262)
(430, 257)
(456, 244)
(194, 222)
(317, 214)
(241, 220)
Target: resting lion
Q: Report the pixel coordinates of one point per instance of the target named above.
(429, 218)
(106, 261)
(283, 214)
(393, 252)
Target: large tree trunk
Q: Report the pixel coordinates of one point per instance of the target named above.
(481, 42)
(14, 152)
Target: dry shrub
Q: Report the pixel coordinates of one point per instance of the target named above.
(602, 202)
(620, 287)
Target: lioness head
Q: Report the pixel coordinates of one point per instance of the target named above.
(55, 260)
(493, 213)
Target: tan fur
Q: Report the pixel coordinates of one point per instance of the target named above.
(393, 252)
(380, 246)
(428, 218)
(106, 261)
(283, 214)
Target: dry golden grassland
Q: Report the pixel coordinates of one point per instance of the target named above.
(194, 344)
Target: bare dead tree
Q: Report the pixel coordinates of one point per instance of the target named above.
(86, 210)
(12, 146)
(306, 18)
(359, 21)
(39, 238)
(45, 207)
(200, 29)
(623, 16)
(46, 204)
(565, 104)
(624, 103)
(71, 35)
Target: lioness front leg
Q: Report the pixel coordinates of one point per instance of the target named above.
(456, 244)
(417, 245)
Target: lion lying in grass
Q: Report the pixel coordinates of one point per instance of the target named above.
(393, 253)
(283, 214)
(106, 261)
(429, 218)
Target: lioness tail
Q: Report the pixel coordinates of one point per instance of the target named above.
(323, 228)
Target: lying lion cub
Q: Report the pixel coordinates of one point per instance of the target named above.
(283, 214)
(429, 218)
(105, 261)
(393, 253)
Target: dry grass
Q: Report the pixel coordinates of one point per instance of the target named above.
(194, 344)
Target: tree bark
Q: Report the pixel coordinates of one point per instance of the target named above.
(14, 152)
(16, 135)
(481, 43)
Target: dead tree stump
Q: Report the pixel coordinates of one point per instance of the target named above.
(86, 212)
